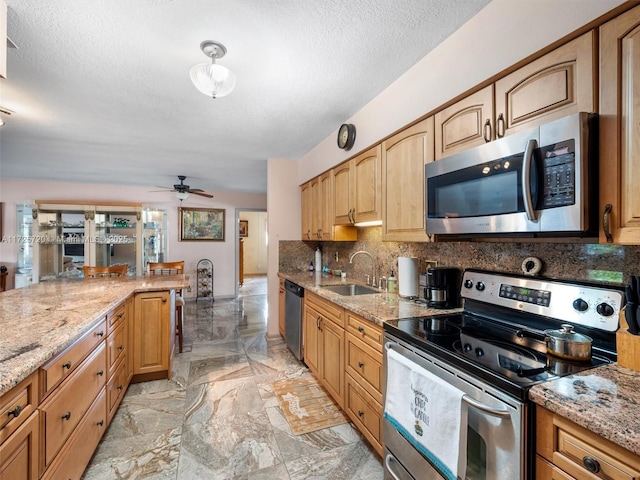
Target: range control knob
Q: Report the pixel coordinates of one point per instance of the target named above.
(604, 309)
(480, 286)
(580, 305)
(468, 283)
(479, 352)
(467, 347)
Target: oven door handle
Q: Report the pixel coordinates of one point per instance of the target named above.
(387, 463)
(494, 412)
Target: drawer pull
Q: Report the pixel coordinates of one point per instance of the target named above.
(66, 416)
(121, 347)
(119, 387)
(591, 464)
(100, 373)
(66, 365)
(164, 300)
(360, 413)
(15, 413)
(360, 364)
(100, 423)
(120, 315)
(100, 334)
(361, 329)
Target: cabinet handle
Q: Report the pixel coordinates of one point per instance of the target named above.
(360, 413)
(606, 218)
(120, 315)
(15, 413)
(500, 131)
(121, 347)
(319, 234)
(100, 423)
(66, 365)
(100, 334)
(361, 329)
(66, 416)
(591, 464)
(360, 364)
(100, 373)
(308, 234)
(164, 300)
(119, 387)
(487, 131)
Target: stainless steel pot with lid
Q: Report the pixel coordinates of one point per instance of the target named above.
(568, 344)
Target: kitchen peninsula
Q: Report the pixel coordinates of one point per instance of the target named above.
(68, 352)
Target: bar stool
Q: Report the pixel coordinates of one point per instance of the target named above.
(114, 271)
(171, 268)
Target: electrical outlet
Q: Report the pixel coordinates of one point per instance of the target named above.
(336, 256)
(430, 264)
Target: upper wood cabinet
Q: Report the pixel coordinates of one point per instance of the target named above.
(620, 128)
(305, 204)
(356, 189)
(555, 85)
(403, 183)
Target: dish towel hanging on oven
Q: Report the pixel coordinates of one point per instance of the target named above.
(428, 412)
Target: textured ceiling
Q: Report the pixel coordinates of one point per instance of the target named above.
(101, 89)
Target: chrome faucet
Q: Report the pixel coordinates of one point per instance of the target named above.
(373, 266)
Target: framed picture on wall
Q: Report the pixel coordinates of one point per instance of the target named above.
(202, 224)
(244, 228)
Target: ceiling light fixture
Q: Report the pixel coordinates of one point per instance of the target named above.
(210, 78)
(182, 195)
(4, 111)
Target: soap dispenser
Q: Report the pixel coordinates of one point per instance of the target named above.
(392, 283)
(318, 260)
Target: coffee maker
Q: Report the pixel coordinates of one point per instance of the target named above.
(442, 289)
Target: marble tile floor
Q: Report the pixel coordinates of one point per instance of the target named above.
(218, 418)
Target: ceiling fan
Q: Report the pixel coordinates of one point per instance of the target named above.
(182, 191)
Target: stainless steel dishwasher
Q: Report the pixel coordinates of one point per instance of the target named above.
(293, 304)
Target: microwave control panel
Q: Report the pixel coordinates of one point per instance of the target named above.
(558, 174)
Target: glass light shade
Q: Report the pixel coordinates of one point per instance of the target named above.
(212, 79)
(182, 195)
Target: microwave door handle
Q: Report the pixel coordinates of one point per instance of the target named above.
(526, 179)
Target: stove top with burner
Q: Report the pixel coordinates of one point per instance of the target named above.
(485, 339)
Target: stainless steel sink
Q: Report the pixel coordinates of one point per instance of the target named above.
(350, 289)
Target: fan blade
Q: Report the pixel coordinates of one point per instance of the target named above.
(196, 190)
(201, 194)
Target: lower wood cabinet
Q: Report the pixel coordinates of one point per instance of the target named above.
(19, 453)
(281, 307)
(566, 450)
(153, 334)
(365, 412)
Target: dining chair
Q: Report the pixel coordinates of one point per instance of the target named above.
(171, 268)
(113, 271)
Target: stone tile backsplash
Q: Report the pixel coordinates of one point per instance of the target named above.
(575, 261)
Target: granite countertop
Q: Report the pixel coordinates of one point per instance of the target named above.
(39, 321)
(603, 400)
(377, 307)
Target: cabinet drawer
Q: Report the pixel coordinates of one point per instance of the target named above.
(17, 405)
(77, 452)
(116, 388)
(365, 412)
(63, 364)
(19, 453)
(62, 412)
(329, 310)
(367, 331)
(364, 364)
(116, 347)
(115, 316)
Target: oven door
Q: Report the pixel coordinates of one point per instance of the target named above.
(496, 440)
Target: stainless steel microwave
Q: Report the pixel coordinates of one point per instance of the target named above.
(542, 180)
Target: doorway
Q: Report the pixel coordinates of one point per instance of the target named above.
(251, 244)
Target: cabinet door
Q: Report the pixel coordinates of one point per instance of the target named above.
(281, 294)
(620, 127)
(325, 207)
(558, 84)
(342, 194)
(403, 185)
(151, 333)
(465, 124)
(316, 202)
(305, 197)
(332, 359)
(367, 186)
(311, 338)
(19, 454)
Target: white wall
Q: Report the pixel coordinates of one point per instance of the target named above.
(222, 254)
(501, 34)
(284, 224)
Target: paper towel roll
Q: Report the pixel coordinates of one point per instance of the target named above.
(408, 277)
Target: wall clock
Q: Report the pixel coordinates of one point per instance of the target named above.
(346, 136)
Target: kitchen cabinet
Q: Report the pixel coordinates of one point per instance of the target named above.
(324, 343)
(118, 357)
(620, 129)
(357, 189)
(558, 84)
(565, 450)
(281, 307)
(305, 207)
(153, 334)
(404, 156)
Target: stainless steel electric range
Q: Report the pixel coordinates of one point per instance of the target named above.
(494, 351)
